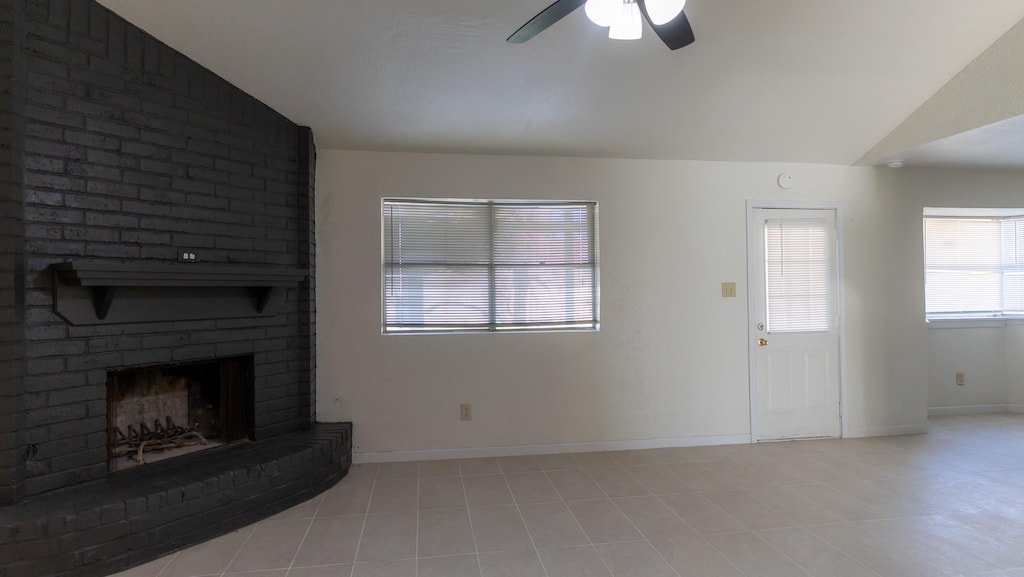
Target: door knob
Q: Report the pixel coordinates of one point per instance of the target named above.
(762, 342)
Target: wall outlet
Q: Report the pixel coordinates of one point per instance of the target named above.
(187, 255)
(728, 290)
(960, 379)
(466, 411)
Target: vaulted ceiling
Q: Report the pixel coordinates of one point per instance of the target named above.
(779, 80)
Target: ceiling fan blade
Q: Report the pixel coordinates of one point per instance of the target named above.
(676, 33)
(560, 9)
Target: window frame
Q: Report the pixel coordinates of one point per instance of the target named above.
(975, 318)
(493, 327)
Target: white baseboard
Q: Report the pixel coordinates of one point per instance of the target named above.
(887, 431)
(517, 450)
(967, 410)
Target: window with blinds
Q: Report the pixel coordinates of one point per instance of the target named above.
(798, 275)
(463, 266)
(974, 266)
(1013, 265)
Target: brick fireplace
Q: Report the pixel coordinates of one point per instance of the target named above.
(156, 222)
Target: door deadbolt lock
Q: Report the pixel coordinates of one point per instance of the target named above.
(762, 342)
(760, 326)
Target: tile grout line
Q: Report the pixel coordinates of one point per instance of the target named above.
(699, 535)
(848, 494)
(816, 538)
(522, 520)
(472, 531)
(562, 500)
(753, 532)
(807, 573)
(306, 534)
(373, 489)
(252, 530)
(416, 564)
(170, 560)
(630, 521)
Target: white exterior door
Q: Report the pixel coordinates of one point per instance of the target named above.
(794, 320)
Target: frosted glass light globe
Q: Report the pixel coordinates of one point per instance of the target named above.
(628, 25)
(602, 12)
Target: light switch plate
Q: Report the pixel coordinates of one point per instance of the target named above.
(728, 290)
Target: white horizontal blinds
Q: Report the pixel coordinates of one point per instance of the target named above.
(798, 276)
(544, 266)
(963, 266)
(1013, 265)
(436, 266)
(456, 266)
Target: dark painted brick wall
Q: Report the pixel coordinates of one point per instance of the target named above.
(11, 240)
(131, 150)
(307, 259)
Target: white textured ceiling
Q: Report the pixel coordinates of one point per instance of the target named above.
(999, 145)
(767, 80)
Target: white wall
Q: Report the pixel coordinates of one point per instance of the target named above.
(1015, 367)
(670, 361)
(979, 353)
(992, 359)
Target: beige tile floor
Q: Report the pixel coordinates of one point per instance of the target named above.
(947, 503)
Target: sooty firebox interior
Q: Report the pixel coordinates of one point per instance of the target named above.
(158, 412)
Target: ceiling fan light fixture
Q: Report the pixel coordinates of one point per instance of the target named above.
(602, 12)
(628, 24)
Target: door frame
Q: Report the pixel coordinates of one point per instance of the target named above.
(836, 208)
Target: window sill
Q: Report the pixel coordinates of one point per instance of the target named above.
(487, 332)
(977, 323)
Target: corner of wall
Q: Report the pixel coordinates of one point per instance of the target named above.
(307, 258)
(1015, 367)
(984, 92)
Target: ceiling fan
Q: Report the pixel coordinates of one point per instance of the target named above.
(622, 17)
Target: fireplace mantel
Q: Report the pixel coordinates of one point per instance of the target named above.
(118, 274)
(85, 291)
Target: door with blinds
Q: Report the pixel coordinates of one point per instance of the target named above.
(794, 324)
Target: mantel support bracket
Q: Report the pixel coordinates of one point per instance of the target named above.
(262, 295)
(102, 298)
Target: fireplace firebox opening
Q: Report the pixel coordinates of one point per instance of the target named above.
(163, 411)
